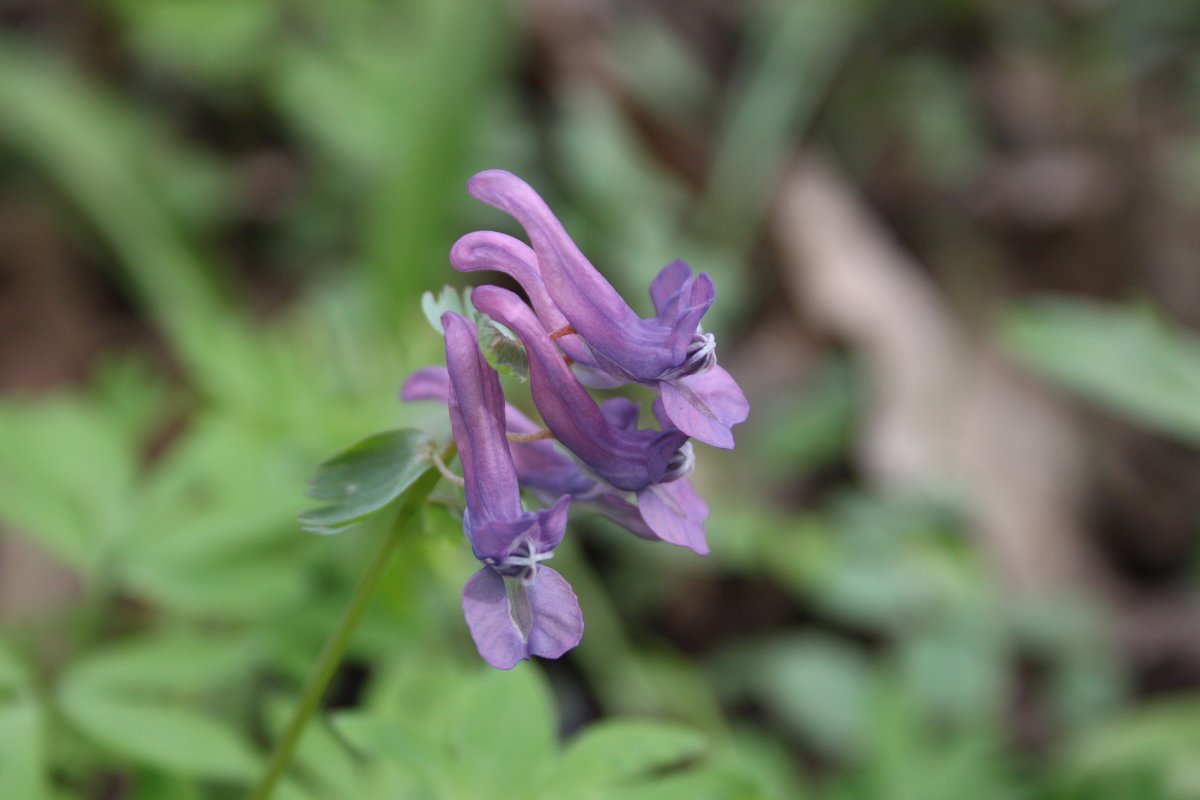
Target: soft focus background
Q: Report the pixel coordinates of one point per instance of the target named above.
(955, 245)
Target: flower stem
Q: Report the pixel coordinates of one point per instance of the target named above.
(536, 436)
(335, 647)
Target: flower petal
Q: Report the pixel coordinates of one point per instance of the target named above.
(540, 466)
(493, 540)
(597, 377)
(557, 618)
(427, 383)
(644, 349)
(545, 528)
(621, 413)
(627, 459)
(488, 250)
(477, 421)
(561, 264)
(485, 605)
(618, 508)
(694, 302)
(511, 623)
(664, 289)
(548, 472)
(543, 469)
(675, 513)
(551, 525)
(705, 406)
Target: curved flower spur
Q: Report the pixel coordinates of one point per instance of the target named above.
(515, 606)
(667, 351)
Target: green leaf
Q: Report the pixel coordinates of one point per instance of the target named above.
(450, 299)
(99, 152)
(164, 663)
(1126, 359)
(396, 727)
(608, 754)
(160, 734)
(502, 349)
(22, 751)
(501, 726)
(65, 474)
(13, 673)
(479, 734)
(139, 700)
(1145, 738)
(792, 54)
(216, 40)
(817, 686)
(364, 478)
(812, 428)
(222, 489)
(246, 588)
(153, 784)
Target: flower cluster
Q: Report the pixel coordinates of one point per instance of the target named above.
(575, 330)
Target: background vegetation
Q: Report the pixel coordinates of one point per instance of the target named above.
(955, 245)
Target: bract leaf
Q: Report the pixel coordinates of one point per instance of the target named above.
(609, 754)
(502, 349)
(364, 478)
(450, 299)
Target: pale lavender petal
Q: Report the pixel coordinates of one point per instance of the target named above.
(548, 472)
(622, 511)
(488, 250)
(517, 422)
(486, 608)
(664, 289)
(705, 406)
(510, 624)
(477, 421)
(675, 513)
(540, 465)
(551, 525)
(621, 413)
(427, 383)
(597, 377)
(694, 302)
(626, 459)
(493, 540)
(433, 383)
(557, 619)
(545, 529)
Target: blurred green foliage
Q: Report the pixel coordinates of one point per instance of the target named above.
(173, 498)
(1129, 360)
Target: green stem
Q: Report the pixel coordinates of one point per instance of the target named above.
(335, 647)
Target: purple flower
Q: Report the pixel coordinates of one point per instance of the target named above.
(673, 512)
(668, 350)
(515, 607)
(610, 445)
